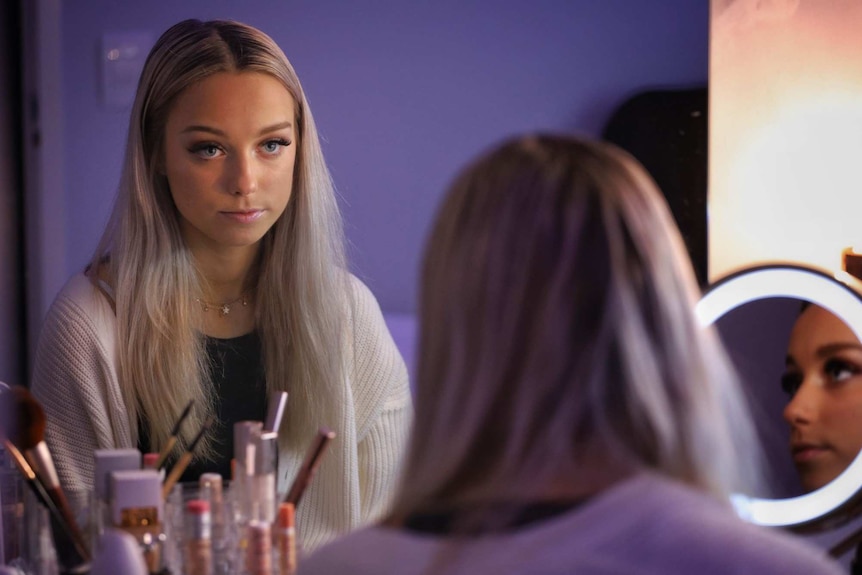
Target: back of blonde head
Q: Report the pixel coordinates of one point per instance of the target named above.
(301, 287)
(557, 334)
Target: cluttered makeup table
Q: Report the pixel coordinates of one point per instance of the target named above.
(139, 518)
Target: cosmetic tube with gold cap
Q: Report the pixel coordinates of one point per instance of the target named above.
(137, 508)
(106, 462)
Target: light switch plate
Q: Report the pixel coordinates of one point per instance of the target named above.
(121, 59)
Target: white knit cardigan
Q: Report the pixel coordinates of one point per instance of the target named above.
(75, 379)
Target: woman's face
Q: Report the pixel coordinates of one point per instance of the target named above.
(230, 147)
(823, 377)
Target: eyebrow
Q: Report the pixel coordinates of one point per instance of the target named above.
(831, 348)
(827, 350)
(217, 132)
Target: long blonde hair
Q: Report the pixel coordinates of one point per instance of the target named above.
(301, 288)
(557, 333)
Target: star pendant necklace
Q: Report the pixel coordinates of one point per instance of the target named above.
(223, 308)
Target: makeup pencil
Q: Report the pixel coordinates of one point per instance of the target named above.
(172, 440)
(184, 461)
(309, 465)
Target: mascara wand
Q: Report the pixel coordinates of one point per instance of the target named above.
(172, 440)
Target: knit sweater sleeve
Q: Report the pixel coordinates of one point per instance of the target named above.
(384, 409)
(74, 378)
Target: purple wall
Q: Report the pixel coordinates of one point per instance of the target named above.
(403, 95)
(756, 336)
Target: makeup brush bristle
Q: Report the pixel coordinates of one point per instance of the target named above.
(25, 426)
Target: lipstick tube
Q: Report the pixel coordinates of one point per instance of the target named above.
(197, 545)
(259, 549)
(286, 539)
(151, 461)
(211, 489)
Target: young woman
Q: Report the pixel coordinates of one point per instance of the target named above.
(220, 279)
(823, 379)
(572, 416)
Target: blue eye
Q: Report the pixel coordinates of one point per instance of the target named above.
(275, 145)
(205, 150)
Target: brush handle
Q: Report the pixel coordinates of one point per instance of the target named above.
(312, 461)
(73, 555)
(59, 498)
(66, 530)
(40, 459)
(165, 452)
(176, 471)
(55, 512)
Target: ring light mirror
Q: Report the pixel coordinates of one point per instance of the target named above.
(839, 293)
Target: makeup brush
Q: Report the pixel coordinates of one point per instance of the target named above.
(172, 440)
(32, 480)
(275, 411)
(309, 465)
(184, 460)
(27, 433)
(42, 495)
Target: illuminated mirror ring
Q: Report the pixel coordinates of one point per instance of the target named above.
(841, 294)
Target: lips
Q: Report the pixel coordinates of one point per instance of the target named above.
(243, 216)
(805, 452)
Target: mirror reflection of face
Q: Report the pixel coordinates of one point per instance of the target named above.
(823, 379)
(230, 149)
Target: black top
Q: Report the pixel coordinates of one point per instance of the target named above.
(510, 517)
(240, 392)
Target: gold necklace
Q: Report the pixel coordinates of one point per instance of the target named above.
(223, 308)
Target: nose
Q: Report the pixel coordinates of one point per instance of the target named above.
(243, 176)
(804, 406)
